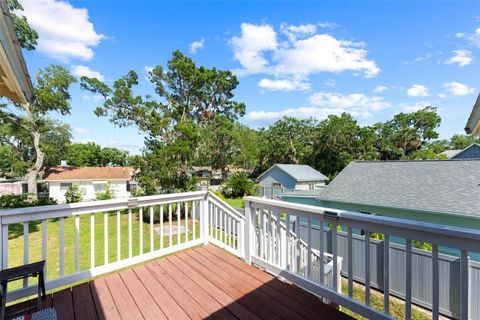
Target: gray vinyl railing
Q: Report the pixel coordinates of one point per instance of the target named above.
(449, 276)
(446, 284)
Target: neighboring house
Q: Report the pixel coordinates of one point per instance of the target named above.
(288, 177)
(436, 191)
(206, 176)
(473, 123)
(12, 186)
(470, 152)
(15, 81)
(90, 179)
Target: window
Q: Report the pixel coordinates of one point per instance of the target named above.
(311, 186)
(99, 186)
(65, 186)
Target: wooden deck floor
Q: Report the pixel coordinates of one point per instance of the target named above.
(200, 283)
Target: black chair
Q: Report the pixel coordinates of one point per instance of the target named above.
(29, 270)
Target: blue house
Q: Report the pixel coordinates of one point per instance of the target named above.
(282, 178)
(470, 152)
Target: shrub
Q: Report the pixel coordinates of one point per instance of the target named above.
(73, 194)
(137, 192)
(108, 194)
(238, 185)
(10, 201)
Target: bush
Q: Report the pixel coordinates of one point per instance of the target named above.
(10, 201)
(238, 185)
(108, 194)
(73, 194)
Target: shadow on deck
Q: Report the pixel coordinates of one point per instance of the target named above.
(200, 283)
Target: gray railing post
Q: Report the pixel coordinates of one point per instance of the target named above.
(248, 233)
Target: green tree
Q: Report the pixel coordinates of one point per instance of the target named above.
(247, 144)
(407, 135)
(27, 37)
(113, 157)
(84, 154)
(338, 141)
(54, 141)
(288, 141)
(461, 141)
(190, 97)
(51, 87)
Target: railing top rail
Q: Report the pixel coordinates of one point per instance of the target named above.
(457, 237)
(114, 204)
(225, 205)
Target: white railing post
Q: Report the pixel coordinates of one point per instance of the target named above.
(204, 214)
(247, 230)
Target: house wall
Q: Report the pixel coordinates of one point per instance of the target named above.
(275, 175)
(446, 219)
(306, 185)
(88, 189)
(10, 188)
(471, 153)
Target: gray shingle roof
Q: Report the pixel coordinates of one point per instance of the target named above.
(450, 186)
(299, 172)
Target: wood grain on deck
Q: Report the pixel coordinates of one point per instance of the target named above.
(201, 283)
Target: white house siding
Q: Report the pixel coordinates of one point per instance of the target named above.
(88, 189)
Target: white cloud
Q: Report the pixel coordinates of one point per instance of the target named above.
(327, 24)
(357, 101)
(442, 95)
(300, 31)
(412, 107)
(462, 57)
(460, 35)
(196, 45)
(80, 71)
(249, 47)
(283, 85)
(417, 90)
(79, 130)
(92, 97)
(380, 89)
(458, 89)
(323, 104)
(259, 49)
(65, 31)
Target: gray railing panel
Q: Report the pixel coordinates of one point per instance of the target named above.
(449, 271)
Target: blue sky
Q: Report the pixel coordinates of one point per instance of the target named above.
(372, 59)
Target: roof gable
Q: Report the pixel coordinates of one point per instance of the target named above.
(299, 172)
(450, 186)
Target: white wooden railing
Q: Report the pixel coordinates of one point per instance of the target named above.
(265, 246)
(83, 240)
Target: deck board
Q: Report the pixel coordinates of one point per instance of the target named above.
(201, 283)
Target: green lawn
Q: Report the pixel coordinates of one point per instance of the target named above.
(397, 307)
(16, 239)
(238, 203)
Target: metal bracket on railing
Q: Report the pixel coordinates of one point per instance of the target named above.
(132, 203)
(329, 215)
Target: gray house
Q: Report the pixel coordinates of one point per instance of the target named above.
(288, 177)
(470, 152)
(437, 191)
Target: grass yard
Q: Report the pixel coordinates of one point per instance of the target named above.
(238, 203)
(16, 242)
(397, 307)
